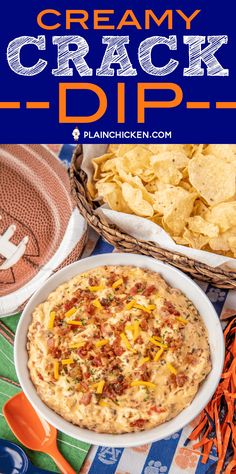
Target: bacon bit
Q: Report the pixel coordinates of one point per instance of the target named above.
(51, 320)
(118, 351)
(69, 304)
(51, 343)
(171, 368)
(94, 289)
(101, 343)
(149, 290)
(63, 331)
(112, 278)
(158, 343)
(56, 352)
(96, 362)
(143, 383)
(191, 359)
(73, 322)
(138, 287)
(71, 312)
(158, 409)
(120, 385)
(182, 321)
(93, 281)
(145, 373)
(156, 332)
(90, 309)
(178, 380)
(138, 423)
(105, 302)
(52, 349)
(97, 304)
(67, 361)
(86, 398)
(158, 355)
(144, 324)
(40, 376)
(84, 386)
(171, 308)
(133, 291)
(56, 370)
(82, 352)
(181, 379)
(118, 283)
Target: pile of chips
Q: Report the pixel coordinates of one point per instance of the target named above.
(189, 190)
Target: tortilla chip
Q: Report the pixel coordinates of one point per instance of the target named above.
(198, 225)
(134, 199)
(212, 178)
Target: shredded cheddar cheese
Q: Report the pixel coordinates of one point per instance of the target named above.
(96, 288)
(143, 308)
(144, 360)
(157, 338)
(74, 322)
(130, 304)
(77, 345)
(97, 304)
(135, 330)
(182, 320)
(101, 343)
(70, 312)
(129, 327)
(67, 361)
(102, 403)
(126, 342)
(171, 368)
(151, 307)
(56, 370)
(158, 355)
(99, 386)
(51, 320)
(157, 343)
(142, 383)
(118, 283)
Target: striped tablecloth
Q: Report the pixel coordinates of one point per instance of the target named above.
(168, 455)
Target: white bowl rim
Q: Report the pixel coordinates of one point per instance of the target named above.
(163, 431)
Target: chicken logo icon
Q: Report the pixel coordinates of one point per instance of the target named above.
(76, 134)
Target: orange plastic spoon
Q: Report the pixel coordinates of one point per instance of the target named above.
(32, 431)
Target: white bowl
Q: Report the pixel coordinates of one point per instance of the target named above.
(176, 279)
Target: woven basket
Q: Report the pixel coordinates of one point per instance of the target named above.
(126, 243)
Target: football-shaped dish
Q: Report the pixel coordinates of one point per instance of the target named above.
(40, 228)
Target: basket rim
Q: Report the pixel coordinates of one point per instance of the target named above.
(78, 181)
